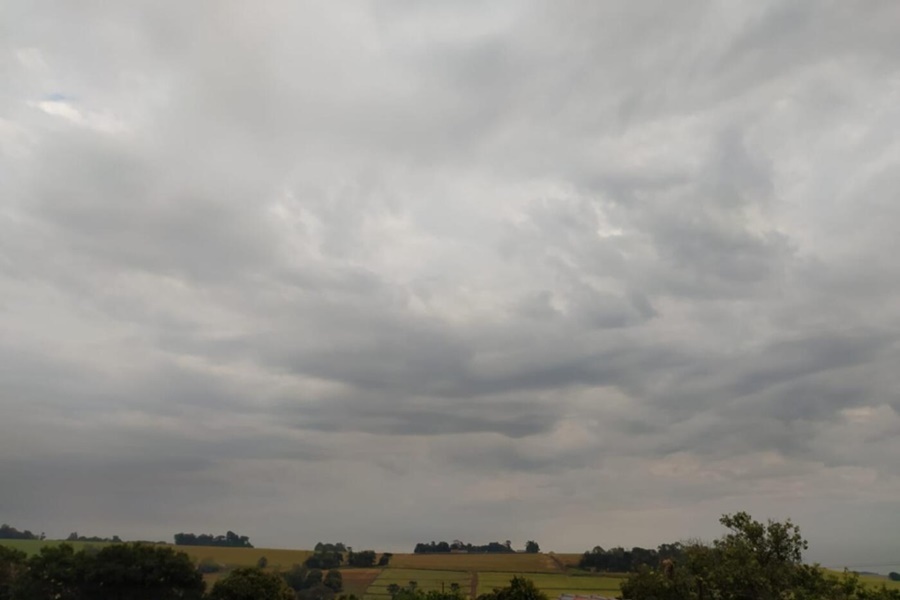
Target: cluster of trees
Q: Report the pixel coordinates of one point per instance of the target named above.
(148, 572)
(754, 560)
(133, 571)
(312, 584)
(230, 539)
(327, 556)
(74, 537)
(620, 560)
(8, 532)
(894, 576)
(458, 546)
(331, 556)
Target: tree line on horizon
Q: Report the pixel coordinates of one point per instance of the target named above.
(8, 532)
(229, 540)
(458, 546)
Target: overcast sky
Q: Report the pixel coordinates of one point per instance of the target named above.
(386, 272)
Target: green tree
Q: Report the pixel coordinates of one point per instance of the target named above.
(334, 580)
(532, 547)
(296, 577)
(753, 561)
(894, 576)
(141, 572)
(251, 584)
(55, 572)
(263, 562)
(318, 591)
(12, 563)
(313, 578)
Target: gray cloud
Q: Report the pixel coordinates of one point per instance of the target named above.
(577, 273)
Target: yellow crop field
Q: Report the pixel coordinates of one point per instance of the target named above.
(358, 581)
(569, 560)
(246, 557)
(519, 563)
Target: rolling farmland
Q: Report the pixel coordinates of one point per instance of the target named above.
(475, 573)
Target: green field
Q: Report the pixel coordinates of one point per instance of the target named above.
(879, 580)
(555, 584)
(425, 580)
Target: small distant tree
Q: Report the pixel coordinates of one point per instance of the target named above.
(532, 547)
(263, 562)
(894, 576)
(385, 559)
(208, 565)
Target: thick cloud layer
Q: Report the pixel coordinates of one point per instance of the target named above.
(587, 273)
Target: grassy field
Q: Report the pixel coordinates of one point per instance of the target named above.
(519, 563)
(879, 580)
(555, 584)
(32, 547)
(425, 580)
(230, 557)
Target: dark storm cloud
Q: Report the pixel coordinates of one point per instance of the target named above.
(522, 267)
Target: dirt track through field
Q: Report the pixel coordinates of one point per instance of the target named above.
(474, 590)
(559, 563)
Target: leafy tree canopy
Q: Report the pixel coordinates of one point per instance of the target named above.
(251, 584)
(752, 561)
(133, 571)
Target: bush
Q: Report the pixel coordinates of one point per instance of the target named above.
(208, 565)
